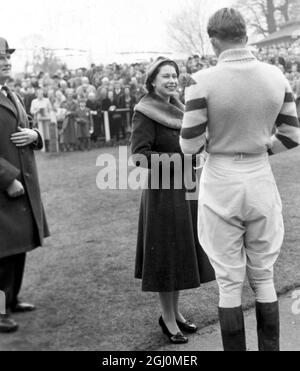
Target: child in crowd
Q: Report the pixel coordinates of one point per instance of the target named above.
(84, 125)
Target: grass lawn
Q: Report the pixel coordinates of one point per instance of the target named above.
(82, 281)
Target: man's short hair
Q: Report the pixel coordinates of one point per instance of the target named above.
(227, 24)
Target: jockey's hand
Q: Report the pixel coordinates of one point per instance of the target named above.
(24, 137)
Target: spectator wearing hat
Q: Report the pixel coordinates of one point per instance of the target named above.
(23, 223)
(169, 258)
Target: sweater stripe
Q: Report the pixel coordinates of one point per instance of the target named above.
(287, 142)
(288, 120)
(194, 132)
(195, 118)
(196, 104)
(289, 109)
(289, 98)
(290, 132)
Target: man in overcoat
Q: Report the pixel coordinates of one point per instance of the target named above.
(23, 225)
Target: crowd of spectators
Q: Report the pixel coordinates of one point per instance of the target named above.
(75, 100)
(288, 60)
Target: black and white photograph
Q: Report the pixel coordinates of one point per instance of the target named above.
(149, 178)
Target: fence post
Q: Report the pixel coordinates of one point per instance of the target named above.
(2, 303)
(106, 126)
(53, 146)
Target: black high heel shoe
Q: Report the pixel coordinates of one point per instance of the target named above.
(188, 327)
(174, 339)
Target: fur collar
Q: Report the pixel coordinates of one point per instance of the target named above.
(167, 114)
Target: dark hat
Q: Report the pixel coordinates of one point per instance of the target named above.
(4, 48)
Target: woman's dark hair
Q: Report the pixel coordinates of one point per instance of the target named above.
(227, 24)
(153, 74)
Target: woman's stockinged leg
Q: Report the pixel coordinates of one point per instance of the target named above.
(183, 324)
(168, 313)
(179, 317)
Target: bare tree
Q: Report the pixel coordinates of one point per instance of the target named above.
(188, 28)
(266, 16)
(46, 60)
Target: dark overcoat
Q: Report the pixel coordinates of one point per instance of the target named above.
(169, 256)
(23, 224)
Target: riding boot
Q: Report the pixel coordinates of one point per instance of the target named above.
(268, 326)
(233, 329)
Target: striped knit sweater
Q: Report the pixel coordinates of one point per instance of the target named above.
(235, 107)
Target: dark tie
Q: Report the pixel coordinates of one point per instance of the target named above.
(6, 91)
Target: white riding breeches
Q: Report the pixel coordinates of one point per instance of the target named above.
(240, 225)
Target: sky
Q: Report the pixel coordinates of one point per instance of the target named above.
(101, 28)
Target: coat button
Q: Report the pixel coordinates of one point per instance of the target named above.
(27, 175)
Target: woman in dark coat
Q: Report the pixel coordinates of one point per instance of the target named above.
(169, 258)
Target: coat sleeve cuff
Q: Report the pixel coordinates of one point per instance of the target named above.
(39, 143)
(8, 173)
